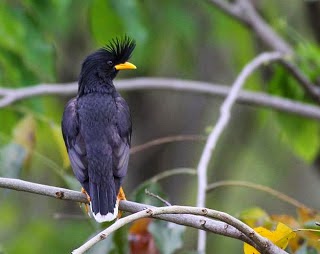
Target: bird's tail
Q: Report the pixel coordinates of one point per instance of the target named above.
(104, 203)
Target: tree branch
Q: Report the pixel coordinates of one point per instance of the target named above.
(260, 187)
(263, 244)
(219, 127)
(10, 96)
(186, 219)
(164, 140)
(243, 11)
(128, 206)
(306, 84)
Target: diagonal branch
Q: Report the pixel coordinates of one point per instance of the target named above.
(243, 11)
(263, 244)
(260, 187)
(225, 111)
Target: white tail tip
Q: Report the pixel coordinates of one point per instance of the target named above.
(108, 217)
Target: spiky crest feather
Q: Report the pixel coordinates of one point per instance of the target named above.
(120, 48)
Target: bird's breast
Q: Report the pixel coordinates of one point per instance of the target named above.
(97, 115)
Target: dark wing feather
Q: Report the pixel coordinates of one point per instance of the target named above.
(122, 139)
(75, 143)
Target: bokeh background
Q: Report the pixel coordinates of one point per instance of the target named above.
(46, 41)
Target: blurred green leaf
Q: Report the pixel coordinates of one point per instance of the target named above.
(301, 135)
(116, 243)
(120, 240)
(57, 136)
(104, 21)
(140, 196)
(2, 251)
(115, 18)
(12, 157)
(305, 249)
(71, 182)
(103, 247)
(168, 236)
(17, 154)
(21, 42)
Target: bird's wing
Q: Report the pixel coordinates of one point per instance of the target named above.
(75, 143)
(122, 139)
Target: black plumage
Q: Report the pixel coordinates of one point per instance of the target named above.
(96, 128)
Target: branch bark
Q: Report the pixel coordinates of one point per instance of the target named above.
(194, 221)
(263, 244)
(10, 96)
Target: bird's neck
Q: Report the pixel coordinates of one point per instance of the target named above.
(96, 86)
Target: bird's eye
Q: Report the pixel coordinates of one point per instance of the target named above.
(110, 63)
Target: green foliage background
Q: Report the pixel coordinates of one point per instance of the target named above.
(45, 41)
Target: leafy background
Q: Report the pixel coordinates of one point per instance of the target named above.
(45, 41)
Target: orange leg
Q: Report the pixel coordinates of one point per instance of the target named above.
(86, 206)
(121, 196)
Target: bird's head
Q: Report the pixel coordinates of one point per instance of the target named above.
(101, 67)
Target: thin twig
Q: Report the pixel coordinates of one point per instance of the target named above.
(219, 127)
(10, 96)
(164, 140)
(307, 85)
(259, 187)
(149, 193)
(172, 172)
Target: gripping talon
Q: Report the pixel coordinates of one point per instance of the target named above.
(121, 196)
(86, 206)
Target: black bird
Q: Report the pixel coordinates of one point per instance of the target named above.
(96, 128)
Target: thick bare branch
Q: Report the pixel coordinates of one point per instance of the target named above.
(128, 206)
(263, 244)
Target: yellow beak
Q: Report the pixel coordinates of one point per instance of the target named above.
(125, 66)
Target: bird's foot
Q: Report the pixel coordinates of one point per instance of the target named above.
(121, 196)
(86, 206)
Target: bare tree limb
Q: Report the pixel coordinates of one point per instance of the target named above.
(263, 244)
(229, 226)
(225, 111)
(243, 11)
(128, 206)
(10, 96)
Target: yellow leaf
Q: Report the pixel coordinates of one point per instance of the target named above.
(24, 132)
(280, 237)
(254, 217)
(57, 135)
